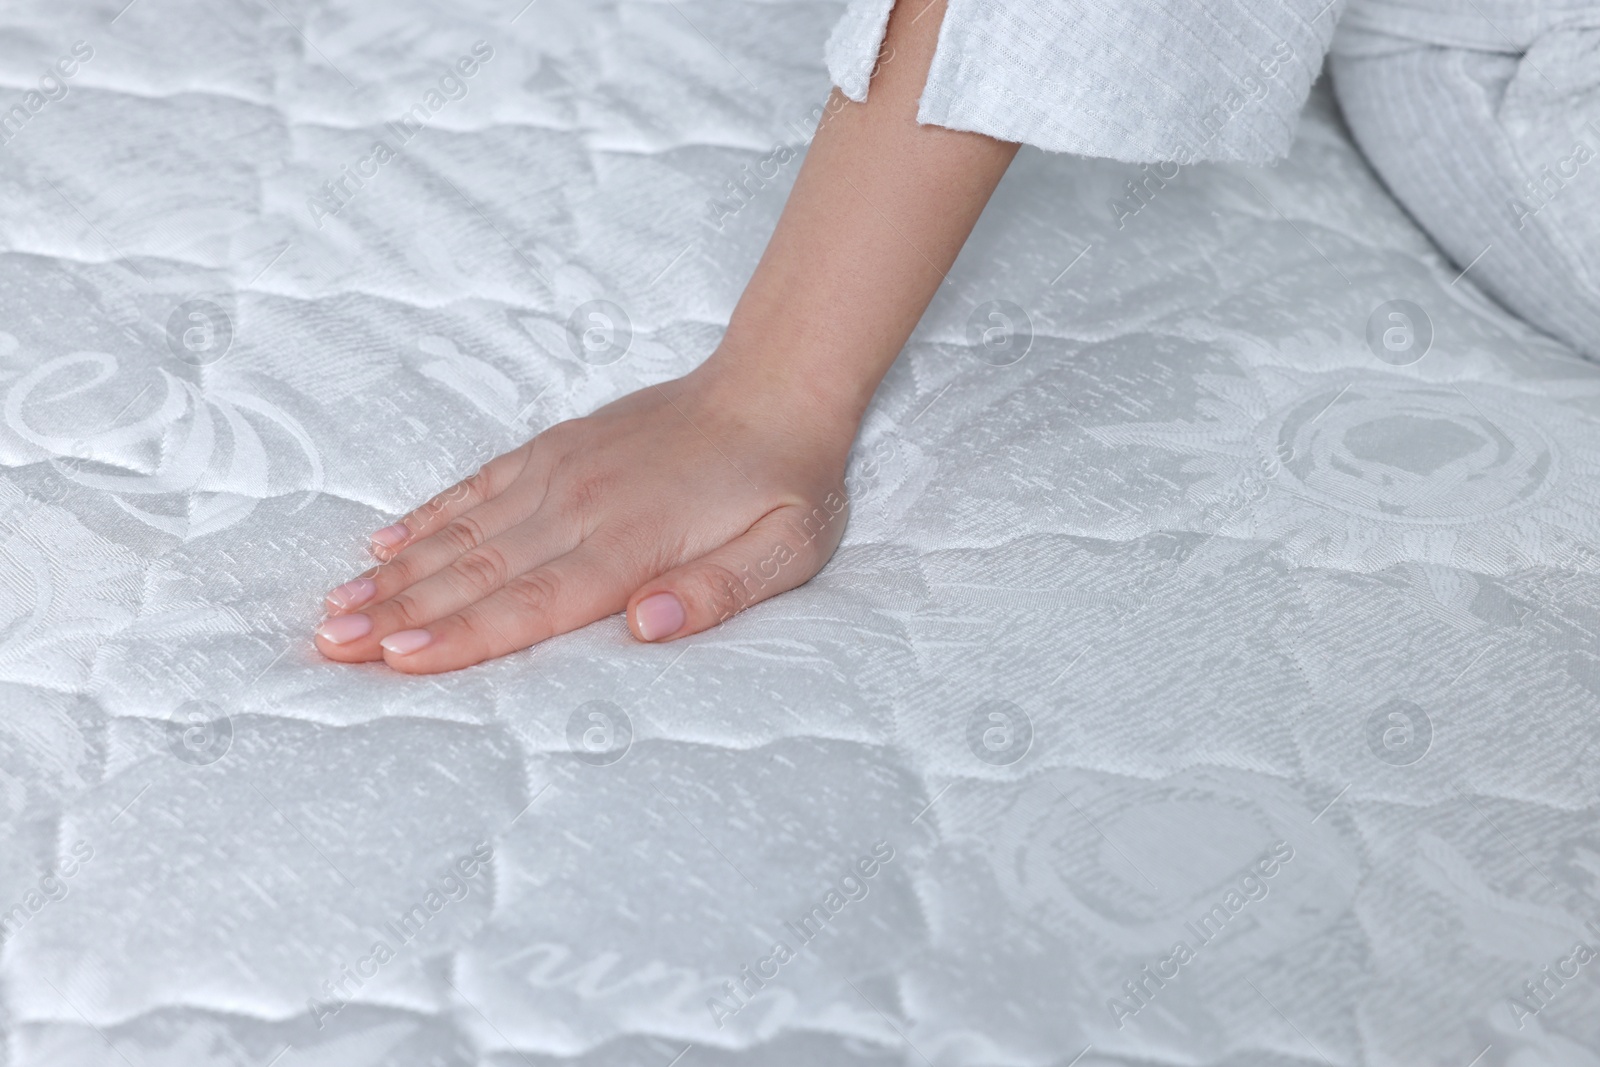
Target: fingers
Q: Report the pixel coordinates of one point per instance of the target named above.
(426, 556)
(784, 549)
(468, 577)
(588, 583)
(471, 492)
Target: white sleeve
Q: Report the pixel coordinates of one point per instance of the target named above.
(1183, 80)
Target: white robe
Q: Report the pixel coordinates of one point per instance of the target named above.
(1474, 112)
(1140, 82)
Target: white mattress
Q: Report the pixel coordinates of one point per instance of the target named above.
(1377, 656)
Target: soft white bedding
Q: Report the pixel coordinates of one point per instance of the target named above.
(1249, 587)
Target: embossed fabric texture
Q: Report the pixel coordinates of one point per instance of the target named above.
(1247, 604)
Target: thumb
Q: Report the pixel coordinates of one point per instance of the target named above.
(785, 548)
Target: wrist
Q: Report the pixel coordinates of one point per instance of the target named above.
(785, 386)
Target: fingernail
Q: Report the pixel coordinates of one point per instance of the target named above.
(345, 628)
(659, 615)
(406, 642)
(390, 536)
(353, 594)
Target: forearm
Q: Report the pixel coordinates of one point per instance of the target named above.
(690, 500)
(878, 213)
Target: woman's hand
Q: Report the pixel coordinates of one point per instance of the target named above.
(689, 501)
(683, 503)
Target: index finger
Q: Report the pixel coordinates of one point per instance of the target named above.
(590, 582)
(488, 482)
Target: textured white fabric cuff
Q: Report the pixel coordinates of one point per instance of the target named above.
(1140, 82)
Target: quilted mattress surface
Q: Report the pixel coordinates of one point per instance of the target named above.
(1208, 675)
